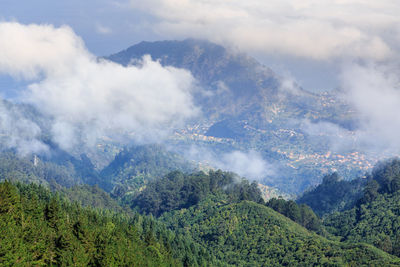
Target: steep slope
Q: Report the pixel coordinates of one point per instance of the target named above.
(38, 228)
(235, 81)
(376, 223)
(250, 234)
(135, 166)
(375, 218)
(177, 190)
(333, 194)
(246, 106)
(57, 170)
(237, 85)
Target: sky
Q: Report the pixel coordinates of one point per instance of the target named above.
(49, 49)
(306, 40)
(105, 26)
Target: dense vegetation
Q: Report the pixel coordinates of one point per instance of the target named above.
(377, 223)
(203, 219)
(40, 228)
(135, 166)
(375, 219)
(250, 234)
(387, 177)
(91, 196)
(24, 169)
(333, 194)
(56, 170)
(178, 190)
(302, 214)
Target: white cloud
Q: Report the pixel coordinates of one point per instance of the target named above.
(32, 51)
(18, 132)
(90, 97)
(334, 136)
(313, 29)
(374, 90)
(248, 164)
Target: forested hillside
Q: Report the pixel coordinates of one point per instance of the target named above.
(247, 106)
(215, 218)
(177, 190)
(375, 218)
(250, 234)
(135, 166)
(333, 194)
(25, 169)
(302, 214)
(39, 228)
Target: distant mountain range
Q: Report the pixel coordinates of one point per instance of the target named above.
(246, 106)
(238, 87)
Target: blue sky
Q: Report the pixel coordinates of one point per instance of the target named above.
(105, 26)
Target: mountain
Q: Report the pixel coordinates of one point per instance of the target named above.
(250, 234)
(229, 218)
(38, 228)
(135, 166)
(235, 80)
(236, 85)
(246, 106)
(333, 194)
(214, 219)
(176, 191)
(375, 217)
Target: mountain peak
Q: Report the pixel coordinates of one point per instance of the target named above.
(234, 80)
(207, 61)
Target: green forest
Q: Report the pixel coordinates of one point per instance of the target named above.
(178, 216)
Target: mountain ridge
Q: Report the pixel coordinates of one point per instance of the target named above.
(249, 107)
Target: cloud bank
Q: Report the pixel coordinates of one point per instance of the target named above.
(89, 97)
(320, 30)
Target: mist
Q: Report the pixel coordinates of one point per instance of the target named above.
(248, 164)
(373, 91)
(18, 132)
(88, 98)
(318, 30)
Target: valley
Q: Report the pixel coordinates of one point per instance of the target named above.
(199, 133)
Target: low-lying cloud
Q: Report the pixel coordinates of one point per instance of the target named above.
(332, 135)
(373, 91)
(320, 30)
(249, 164)
(19, 132)
(348, 33)
(88, 97)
